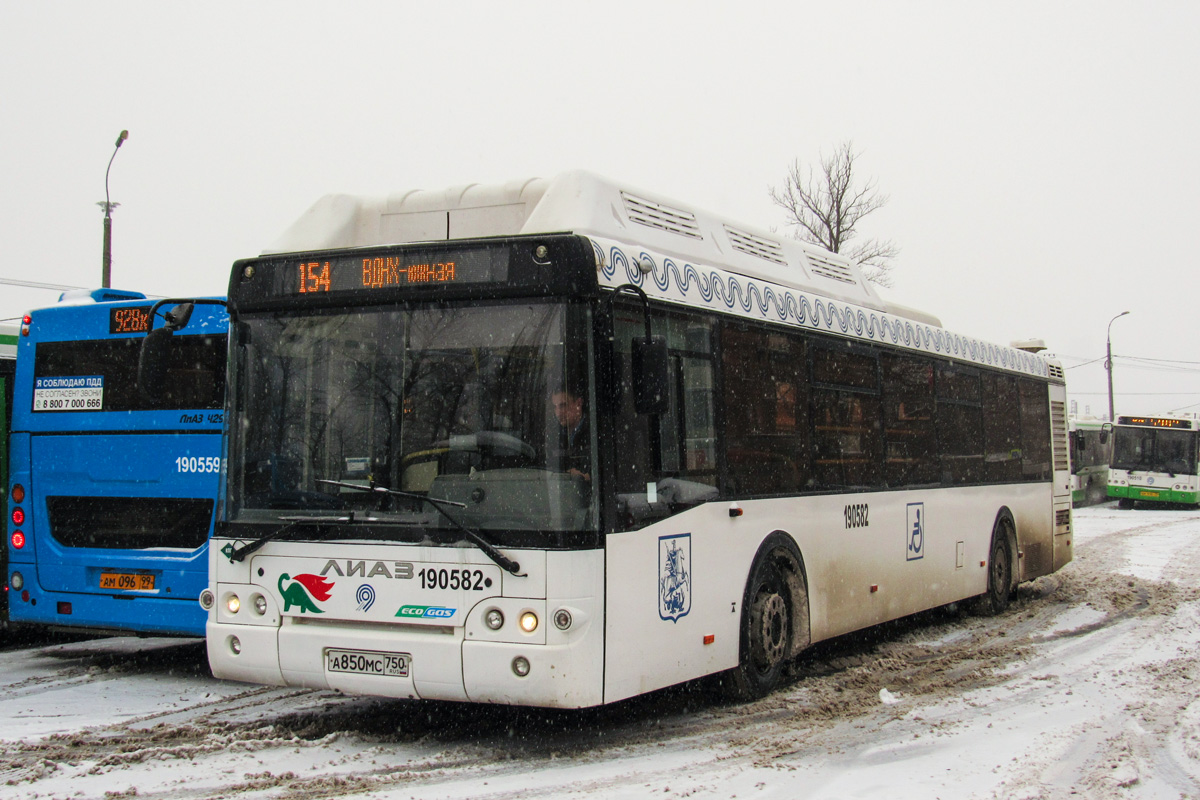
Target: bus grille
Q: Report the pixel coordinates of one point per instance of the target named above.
(130, 523)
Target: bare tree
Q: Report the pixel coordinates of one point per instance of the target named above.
(825, 209)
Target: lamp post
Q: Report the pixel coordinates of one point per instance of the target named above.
(1108, 365)
(108, 206)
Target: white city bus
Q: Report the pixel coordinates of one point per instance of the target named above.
(1091, 446)
(562, 442)
(1154, 460)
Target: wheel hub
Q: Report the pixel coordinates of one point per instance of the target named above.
(771, 630)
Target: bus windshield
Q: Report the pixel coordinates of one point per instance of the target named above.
(458, 404)
(1155, 450)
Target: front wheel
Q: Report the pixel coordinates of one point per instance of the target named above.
(766, 638)
(1125, 502)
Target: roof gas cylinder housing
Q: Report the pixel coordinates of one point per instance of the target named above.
(589, 205)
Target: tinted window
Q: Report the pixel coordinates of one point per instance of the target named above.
(959, 424)
(766, 407)
(195, 374)
(911, 454)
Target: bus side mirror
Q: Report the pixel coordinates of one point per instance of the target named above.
(152, 363)
(651, 375)
(177, 318)
(1105, 430)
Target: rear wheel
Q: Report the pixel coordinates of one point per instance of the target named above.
(1125, 502)
(767, 624)
(1000, 572)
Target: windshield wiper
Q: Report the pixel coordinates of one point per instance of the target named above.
(240, 553)
(483, 544)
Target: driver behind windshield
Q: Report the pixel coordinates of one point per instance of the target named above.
(573, 454)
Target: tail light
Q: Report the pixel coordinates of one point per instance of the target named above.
(18, 516)
(18, 540)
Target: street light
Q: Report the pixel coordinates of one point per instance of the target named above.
(1108, 365)
(108, 206)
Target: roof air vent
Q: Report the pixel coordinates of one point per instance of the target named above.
(828, 268)
(657, 215)
(754, 245)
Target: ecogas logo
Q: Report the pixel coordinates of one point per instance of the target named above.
(426, 612)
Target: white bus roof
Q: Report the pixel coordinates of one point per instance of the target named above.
(584, 203)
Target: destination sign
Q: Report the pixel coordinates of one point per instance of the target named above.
(1155, 422)
(132, 319)
(343, 273)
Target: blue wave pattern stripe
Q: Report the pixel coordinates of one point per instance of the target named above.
(714, 288)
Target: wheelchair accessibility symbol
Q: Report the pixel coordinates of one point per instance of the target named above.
(916, 531)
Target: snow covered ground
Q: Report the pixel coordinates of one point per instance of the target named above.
(1086, 688)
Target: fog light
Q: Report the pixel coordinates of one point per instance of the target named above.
(207, 600)
(529, 621)
(17, 581)
(233, 604)
(235, 645)
(562, 619)
(260, 604)
(494, 619)
(520, 666)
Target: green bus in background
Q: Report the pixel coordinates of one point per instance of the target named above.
(1154, 461)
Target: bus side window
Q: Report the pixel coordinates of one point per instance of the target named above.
(766, 411)
(1035, 431)
(910, 456)
(686, 459)
(847, 430)
(960, 424)
(1001, 428)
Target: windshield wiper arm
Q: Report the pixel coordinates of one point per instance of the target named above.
(477, 539)
(240, 553)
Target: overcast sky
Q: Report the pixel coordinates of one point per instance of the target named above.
(1041, 158)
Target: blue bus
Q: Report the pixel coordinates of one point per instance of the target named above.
(8, 363)
(112, 486)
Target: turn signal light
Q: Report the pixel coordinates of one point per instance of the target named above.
(18, 493)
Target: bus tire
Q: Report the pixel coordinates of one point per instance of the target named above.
(1125, 502)
(774, 605)
(1000, 570)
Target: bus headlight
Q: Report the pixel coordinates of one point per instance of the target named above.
(207, 600)
(520, 666)
(494, 619)
(235, 645)
(260, 604)
(529, 621)
(17, 581)
(233, 604)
